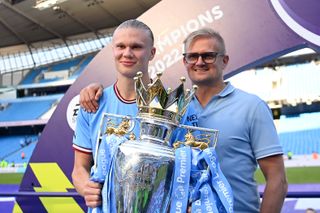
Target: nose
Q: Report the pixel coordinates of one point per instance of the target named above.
(199, 61)
(127, 52)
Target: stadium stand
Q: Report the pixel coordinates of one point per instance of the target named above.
(300, 134)
(30, 108)
(13, 146)
(31, 76)
(67, 69)
(37, 94)
(82, 66)
(68, 65)
(303, 142)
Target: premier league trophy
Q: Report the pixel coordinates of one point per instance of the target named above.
(163, 167)
(144, 167)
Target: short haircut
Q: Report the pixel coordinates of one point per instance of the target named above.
(205, 33)
(311, 210)
(134, 23)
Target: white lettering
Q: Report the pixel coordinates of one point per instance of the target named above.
(225, 192)
(207, 202)
(206, 17)
(217, 13)
(102, 156)
(171, 38)
(178, 207)
(183, 164)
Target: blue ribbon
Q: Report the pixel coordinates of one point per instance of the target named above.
(219, 182)
(181, 181)
(103, 173)
(209, 191)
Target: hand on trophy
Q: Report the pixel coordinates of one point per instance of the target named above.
(92, 194)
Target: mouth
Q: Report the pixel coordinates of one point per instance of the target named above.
(127, 63)
(200, 70)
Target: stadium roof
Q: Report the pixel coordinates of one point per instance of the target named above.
(29, 21)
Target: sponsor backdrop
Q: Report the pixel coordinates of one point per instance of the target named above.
(254, 31)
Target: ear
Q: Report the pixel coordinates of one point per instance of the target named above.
(184, 61)
(225, 60)
(153, 53)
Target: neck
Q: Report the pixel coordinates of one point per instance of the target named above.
(204, 93)
(126, 86)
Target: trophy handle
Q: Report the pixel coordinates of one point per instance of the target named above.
(119, 125)
(198, 137)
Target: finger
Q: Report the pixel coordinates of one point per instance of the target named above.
(83, 98)
(92, 103)
(95, 102)
(84, 101)
(98, 93)
(93, 201)
(93, 184)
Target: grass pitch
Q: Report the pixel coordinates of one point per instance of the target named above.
(10, 178)
(295, 175)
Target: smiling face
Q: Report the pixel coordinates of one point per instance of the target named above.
(132, 50)
(201, 73)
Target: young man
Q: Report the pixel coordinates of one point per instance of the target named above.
(247, 135)
(132, 49)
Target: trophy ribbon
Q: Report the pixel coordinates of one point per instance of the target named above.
(101, 173)
(209, 191)
(108, 198)
(181, 180)
(212, 187)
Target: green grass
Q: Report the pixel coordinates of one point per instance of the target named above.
(10, 178)
(296, 175)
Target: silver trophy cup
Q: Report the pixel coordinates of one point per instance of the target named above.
(144, 167)
(144, 170)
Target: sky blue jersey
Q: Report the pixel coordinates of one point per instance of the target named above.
(88, 124)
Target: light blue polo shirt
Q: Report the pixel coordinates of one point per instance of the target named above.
(88, 124)
(246, 134)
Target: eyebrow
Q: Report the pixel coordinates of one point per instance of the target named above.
(140, 44)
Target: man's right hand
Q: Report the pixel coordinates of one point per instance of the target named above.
(89, 97)
(92, 194)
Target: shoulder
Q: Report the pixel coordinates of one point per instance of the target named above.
(246, 97)
(245, 101)
(107, 94)
(108, 90)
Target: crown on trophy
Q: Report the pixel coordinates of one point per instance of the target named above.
(157, 102)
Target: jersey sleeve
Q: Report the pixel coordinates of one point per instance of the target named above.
(82, 136)
(264, 136)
